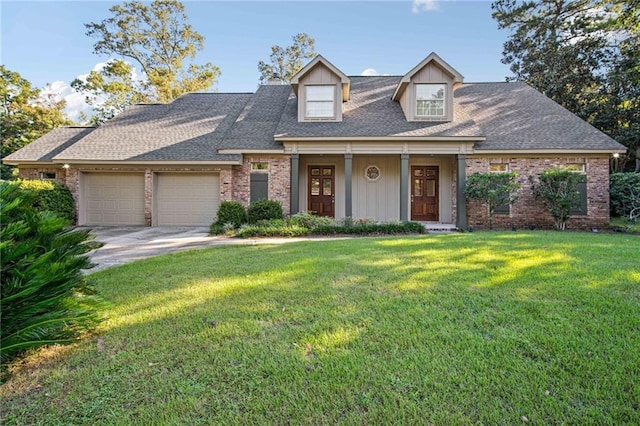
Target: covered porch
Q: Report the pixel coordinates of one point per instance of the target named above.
(420, 181)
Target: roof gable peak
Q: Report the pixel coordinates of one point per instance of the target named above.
(432, 57)
(319, 59)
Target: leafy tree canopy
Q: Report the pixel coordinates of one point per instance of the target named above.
(111, 89)
(25, 115)
(157, 37)
(287, 61)
(583, 54)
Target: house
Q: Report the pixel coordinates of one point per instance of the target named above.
(383, 147)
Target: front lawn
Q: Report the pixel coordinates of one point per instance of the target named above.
(492, 328)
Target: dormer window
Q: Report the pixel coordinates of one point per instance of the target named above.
(320, 101)
(430, 100)
(321, 88)
(426, 92)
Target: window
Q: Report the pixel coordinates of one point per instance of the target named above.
(372, 173)
(582, 188)
(430, 100)
(500, 168)
(320, 101)
(258, 187)
(47, 175)
(259, 166)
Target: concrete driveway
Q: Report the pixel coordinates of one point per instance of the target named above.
(126, 244)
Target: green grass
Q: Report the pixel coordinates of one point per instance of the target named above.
(485, 328)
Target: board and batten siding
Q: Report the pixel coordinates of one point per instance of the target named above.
(380, 199)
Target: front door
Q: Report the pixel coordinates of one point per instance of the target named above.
(424, 193)
(322, 197)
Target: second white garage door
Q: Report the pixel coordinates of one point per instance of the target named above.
(189, 199)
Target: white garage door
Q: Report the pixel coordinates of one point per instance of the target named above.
(113, 198)
(186, 199)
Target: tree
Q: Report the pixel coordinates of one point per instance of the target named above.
(287, 61)
(584, 55)
(558, 191)
(494, 189)
(111, 89)
(157, 37)
(555, 46)
(24, 114)
(45, 298)
(618, 112)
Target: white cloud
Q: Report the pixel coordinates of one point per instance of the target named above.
(424, 6)
(369, 72)
(75, 101)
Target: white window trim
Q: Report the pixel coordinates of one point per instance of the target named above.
(499, 171)
(443, 100)
(332, 116)
(42, 176)
(258, 166)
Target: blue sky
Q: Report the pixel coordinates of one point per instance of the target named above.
(45, 42)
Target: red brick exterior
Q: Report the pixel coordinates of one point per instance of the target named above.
(527, 212)
(234, 180)
(236, 184)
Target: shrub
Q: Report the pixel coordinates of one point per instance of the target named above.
(494, 189)
(264, 210)
(624, 189)
(45, 298)
(231, 212)
(310, 220)
(274, 228)
(216, 229)
(558, 190)
(50, 196)
(366, 228)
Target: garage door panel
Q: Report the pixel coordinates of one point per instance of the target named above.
(113, 198)
(187, 199)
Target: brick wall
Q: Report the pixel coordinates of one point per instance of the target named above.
(234, 180)
(528, 212)
(238, 183)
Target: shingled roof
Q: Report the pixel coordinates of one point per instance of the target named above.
(515, 116)
(49, 145)
(195, 127)
(188, 129)
(372, 112)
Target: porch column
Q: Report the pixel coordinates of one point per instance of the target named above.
(461, 216)
(404, 187)
(295, 183)
(348, 194)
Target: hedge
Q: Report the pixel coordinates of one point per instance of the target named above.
(50, 196)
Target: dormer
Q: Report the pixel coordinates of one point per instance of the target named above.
(321, 89)
(426, 92)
